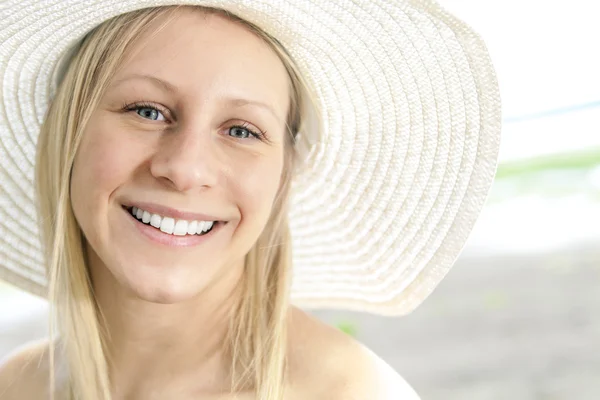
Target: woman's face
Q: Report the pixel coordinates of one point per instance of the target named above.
(191, 131)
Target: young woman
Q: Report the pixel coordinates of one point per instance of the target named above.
(192, 159)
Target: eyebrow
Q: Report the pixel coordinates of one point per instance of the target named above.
(240, 102)
(169, 87)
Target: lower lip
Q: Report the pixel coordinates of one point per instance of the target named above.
(159, 237)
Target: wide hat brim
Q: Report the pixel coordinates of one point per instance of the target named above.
(406, 153)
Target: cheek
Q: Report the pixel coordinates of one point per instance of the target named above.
(258, 185)
(104, 158)
(101, 165)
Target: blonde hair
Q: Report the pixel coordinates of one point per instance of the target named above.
(257, 335)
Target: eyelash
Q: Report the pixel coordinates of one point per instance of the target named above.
(137, 106)
(260, 135)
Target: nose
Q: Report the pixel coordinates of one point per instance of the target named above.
(185, 160)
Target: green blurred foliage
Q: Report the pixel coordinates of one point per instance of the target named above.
(348, 327)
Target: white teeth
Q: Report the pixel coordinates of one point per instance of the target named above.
(167, 225)
(181, 228)
(200, 227)
(170, 225)
(155, 220)
(192, 227)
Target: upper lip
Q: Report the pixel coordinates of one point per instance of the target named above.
(165, 211)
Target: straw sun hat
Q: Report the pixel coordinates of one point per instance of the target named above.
(397, 168)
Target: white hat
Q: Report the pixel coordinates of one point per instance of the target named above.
(406, 152)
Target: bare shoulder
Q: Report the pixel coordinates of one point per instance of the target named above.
(24, 372)
(333, 365)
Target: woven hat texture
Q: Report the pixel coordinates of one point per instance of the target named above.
(405, 154)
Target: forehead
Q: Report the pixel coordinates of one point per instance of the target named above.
(205, 54)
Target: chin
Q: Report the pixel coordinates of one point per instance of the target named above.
(162, 297)
(162, 294)
(164, 287)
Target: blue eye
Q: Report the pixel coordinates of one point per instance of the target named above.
(150, 113)
(239, 132)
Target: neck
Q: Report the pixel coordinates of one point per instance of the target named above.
(148, 344)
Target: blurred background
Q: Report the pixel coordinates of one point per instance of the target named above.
(518, 316)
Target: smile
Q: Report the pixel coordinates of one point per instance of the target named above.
(172, 226)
